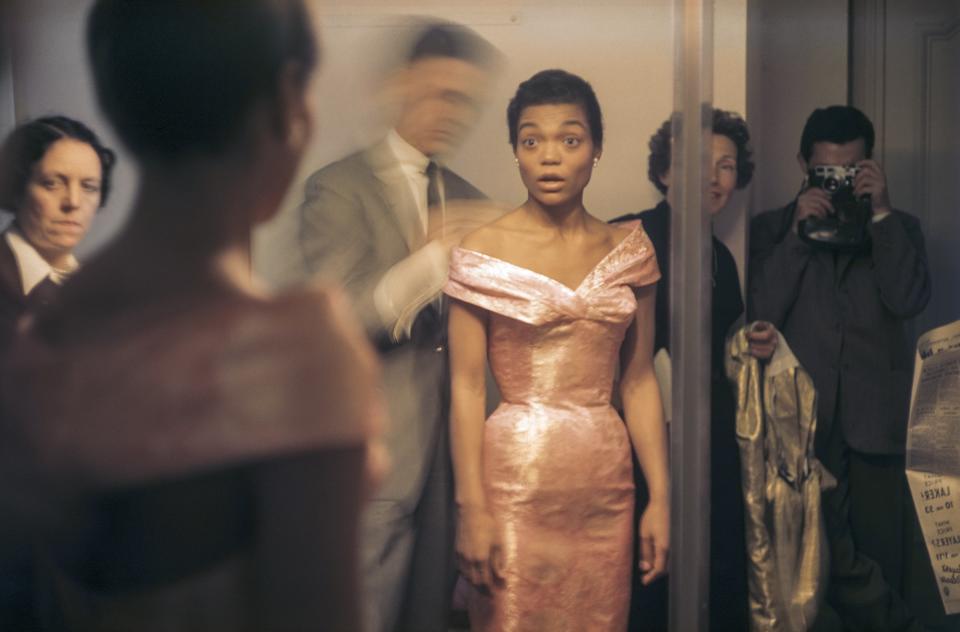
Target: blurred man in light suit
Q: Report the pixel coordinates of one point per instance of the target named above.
(382, 222)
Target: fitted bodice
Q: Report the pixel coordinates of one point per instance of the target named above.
(548, 343)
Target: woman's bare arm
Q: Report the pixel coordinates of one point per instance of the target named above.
(643, 414)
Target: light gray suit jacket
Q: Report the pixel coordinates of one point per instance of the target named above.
(357, 221)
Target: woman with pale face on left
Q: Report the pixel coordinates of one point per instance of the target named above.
(558, 301)
(55, 176)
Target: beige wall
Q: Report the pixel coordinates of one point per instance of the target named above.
(797, 62)
(623, 47)
(50, 75)
(6, 77)
(730, 93)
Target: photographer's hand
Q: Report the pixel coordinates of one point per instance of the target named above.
(812, 201)
(872, 181)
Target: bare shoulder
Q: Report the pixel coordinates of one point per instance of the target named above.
(618, 233)
(611, 234)
(491, 239)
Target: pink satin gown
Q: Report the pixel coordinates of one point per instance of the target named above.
(556, 455)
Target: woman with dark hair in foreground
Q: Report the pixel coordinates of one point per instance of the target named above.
(203, 442)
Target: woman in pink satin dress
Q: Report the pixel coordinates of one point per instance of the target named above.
(557, 300)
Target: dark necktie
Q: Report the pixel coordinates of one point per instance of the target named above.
(436, 210)
(434, 186)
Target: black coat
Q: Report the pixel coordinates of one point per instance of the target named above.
(843, 316)
(728, 575)
(13, 302)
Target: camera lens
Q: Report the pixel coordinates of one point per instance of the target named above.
(830, 184)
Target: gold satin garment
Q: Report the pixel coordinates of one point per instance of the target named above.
(782, 480)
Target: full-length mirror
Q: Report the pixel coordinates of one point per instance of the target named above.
(444, 315)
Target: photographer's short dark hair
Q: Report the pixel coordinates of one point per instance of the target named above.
(179, 76)
(29, 142)
(553, 87)
(838, 124)
(725, 123)
(441, 39)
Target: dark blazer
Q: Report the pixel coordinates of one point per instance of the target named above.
(843, 316)
(15, 572)
(728, 580)
(13, 302)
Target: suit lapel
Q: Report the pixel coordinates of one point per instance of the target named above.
(395, 194)
(10, 283)
(837, 263)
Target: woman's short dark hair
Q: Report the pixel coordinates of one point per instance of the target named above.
(838, 124)
(729, 124)
(550, 87)
(179, 76)
(29, 142)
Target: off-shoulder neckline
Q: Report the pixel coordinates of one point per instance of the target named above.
(636, 230)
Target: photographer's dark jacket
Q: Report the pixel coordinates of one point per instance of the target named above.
(843, 315)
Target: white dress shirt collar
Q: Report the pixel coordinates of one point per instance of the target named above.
(412, 167)
(33, 267)
(405, 153)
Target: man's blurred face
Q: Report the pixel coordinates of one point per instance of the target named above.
(441, 102)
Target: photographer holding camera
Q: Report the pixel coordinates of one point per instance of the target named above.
(838, 271)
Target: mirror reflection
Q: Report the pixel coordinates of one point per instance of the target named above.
(348, 315)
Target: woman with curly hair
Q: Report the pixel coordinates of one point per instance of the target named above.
(731, 168)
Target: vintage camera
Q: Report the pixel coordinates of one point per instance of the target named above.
(845, 227)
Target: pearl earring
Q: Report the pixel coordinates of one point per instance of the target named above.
(516, 161)
(596, 163)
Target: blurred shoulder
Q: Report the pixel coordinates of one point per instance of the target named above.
(321, 357)
(319, 319)
(340, 172)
